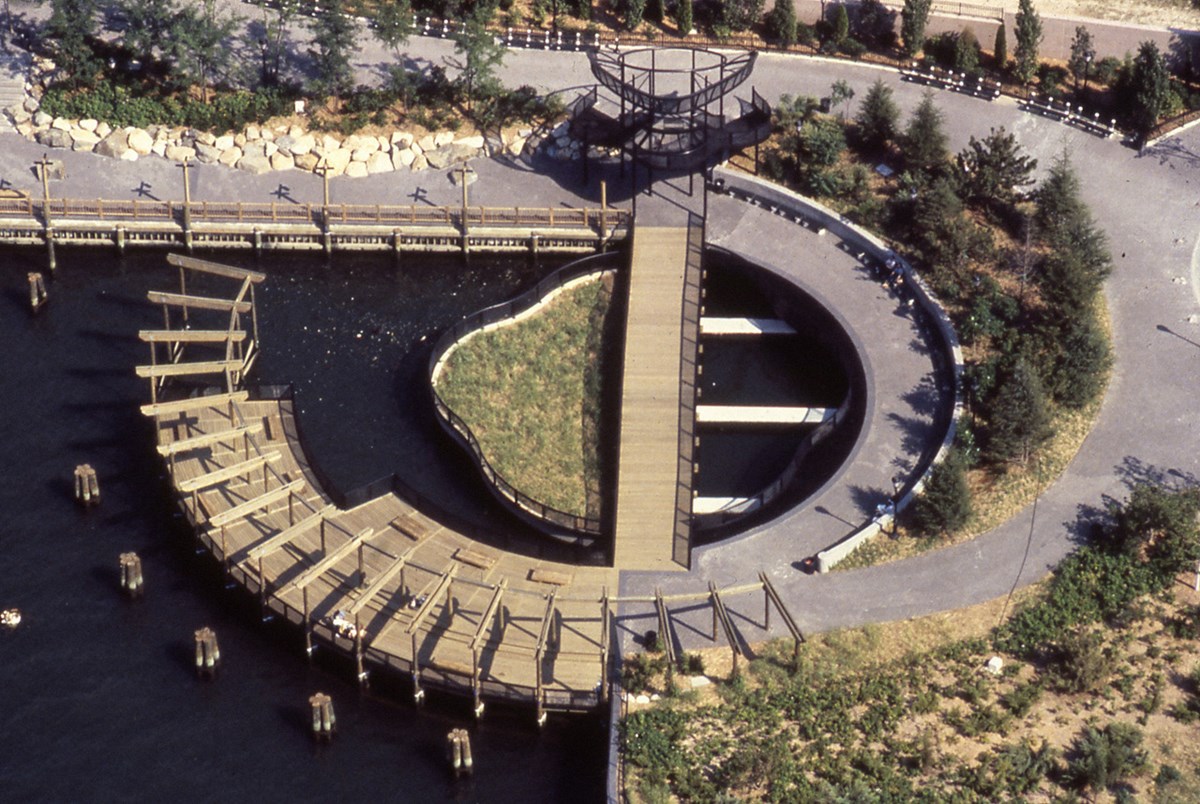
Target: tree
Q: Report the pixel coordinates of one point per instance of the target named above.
(201, 37)
(1029, 37)
(913, 19)
(945, 504)
(394, 24)
(1000, 49)
(1081, 361)
(966, 52)
(878, 117)
(992, 171)
(781, 23)
(841, 24)
(875, 24)
(634, 10)
(333, 36)
(684, 17)
(275, 28)
(924, 142)
(71, 24)
(819, 145)
(480, 57)
(148, 25)
(1059, 203)
(1159, 523)
(1018, 420)
(1150, 88)
(840, 94)
(655, 12)
(1082, 54)
(1102, 759)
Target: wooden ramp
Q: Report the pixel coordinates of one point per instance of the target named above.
(654, 473)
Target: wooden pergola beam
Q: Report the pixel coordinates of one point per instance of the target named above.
(485, 621)
(197, 302)
(721, 615)
(664, 626)
(228, 472)
(194, 403)
(771, 596)
(215, 268)
(380, 582)
(431, 601)
(192, 335)
(185, 369)
(237, 512)
(289, 534)
(209, 439)
(327, 562)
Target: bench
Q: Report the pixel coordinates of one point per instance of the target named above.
(552, 577)
(470, 557)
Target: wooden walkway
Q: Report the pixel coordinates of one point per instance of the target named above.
(651, 469)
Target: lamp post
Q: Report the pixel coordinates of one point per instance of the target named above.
(262, 50)
(1087, 71)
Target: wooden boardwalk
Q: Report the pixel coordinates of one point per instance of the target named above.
(380, 581)
(651, 469)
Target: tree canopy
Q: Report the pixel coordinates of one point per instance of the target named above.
(1029, 38)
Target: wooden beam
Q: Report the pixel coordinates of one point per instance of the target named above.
(250, 506)
(277, 540)
(216, 268)
(664, 626)
(773, 597)
(184, 369)
(197, 302)
(194, 403)
(431, 601)
(490, 612)
(379, 583)
(227, 473)
(192, 335)
(726, 624)
(546, 619)
(327, 562)
(209, 439)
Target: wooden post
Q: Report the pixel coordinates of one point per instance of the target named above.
(603, 212)
(358, 652)
(323, 168)
(37, 291)
(308, 642)
(458, 751)
(87, 486)
(186, 165)
(324, 722)
(47, 225)
(208, 654)
(131, 574)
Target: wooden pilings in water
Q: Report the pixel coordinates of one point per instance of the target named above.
(87, 486)
(37, 291)
(208, 653)
(324, 722)
(131, 575)
(458, 751)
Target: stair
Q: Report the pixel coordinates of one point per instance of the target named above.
(12, 86)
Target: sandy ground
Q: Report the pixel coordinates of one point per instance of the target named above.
(1153, 13)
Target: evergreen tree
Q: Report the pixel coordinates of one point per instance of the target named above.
(840, 94)
(924, 143)
(1159, 523)
(333, 39)
(992, 171)
(276, 21)
(1018, 419)
(945, 504)
(781, 23)
(913, 19)
(148, 25)
(71, 24)
(1029, 37)
(201, 37)
(480, 56)
(1000, 49)
(394, 24)
(635, 10)
(966, 52)
(1150, 87)
(655, 11)
(841, 24)
(684, 17)
(878, 117)
(1059, 204)
(1082, 54)
(1081, 361)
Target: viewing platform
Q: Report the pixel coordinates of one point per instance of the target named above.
(711, 325)
(761, 414)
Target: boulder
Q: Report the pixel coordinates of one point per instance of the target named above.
(88, 124)
(329, 143)
(419, 163)
(269, 148)
(140, 141)
(449, 154)
(205, 153)
(403, 158)
(61, 123)
(380, 162)
(443, 138)
(295, 132)
(240, 140)
(41, 119)
(113, 145)
(255, 148)
(355, 142)
(337, 161)
(83, 140)
(178, 153)
(160, 148)
(516, 145)
(282, 161)
(54, 138)
(253, 132)
(230, 156)
(257, 164)
(19, 115)
(223, 143)
(209, 139)
(356, 170)
(401, 139)
(475, 142)
(25, 129)
(129, 156)
(30, 105)
(306, 161)
(362, 154)
(426, 143)
(385, 144)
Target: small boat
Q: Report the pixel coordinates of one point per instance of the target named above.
(10, 618)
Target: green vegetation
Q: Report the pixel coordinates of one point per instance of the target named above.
(530, 392)
(892, 714)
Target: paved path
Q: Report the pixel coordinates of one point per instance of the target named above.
(1149, 422)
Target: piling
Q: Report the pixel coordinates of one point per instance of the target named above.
(87, 486)
(208, 654)
(458, 751)
(131, 574)
(37, 291)
(324, 722)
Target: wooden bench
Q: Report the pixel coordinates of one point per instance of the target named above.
(474, 559)
(553, 577)
(403, 524)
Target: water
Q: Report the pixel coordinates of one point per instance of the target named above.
(99, 701)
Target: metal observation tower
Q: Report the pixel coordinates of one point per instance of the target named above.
(673, 109)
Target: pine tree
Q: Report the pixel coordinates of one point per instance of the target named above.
(655, 11)
(1081, 363)
(913, 19)
(966, 52)
(683, 17)
(1151, 88)
(1082, 54)
(333, 38)
(878, 117)
(1000, 49)
(201, 37)
(924, 142)
(991, 171)
(945, 504)
(1018, 419)
(1059, 204)
(841, 24)
(781, 23)
(148, 24)
(480, 56)
(635, 10)
(1029, 37)
(71, 24)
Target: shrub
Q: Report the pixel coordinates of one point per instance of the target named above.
(1103, 759)
(1084, 663)
(945, 504)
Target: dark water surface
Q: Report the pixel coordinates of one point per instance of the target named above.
(98, 700)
